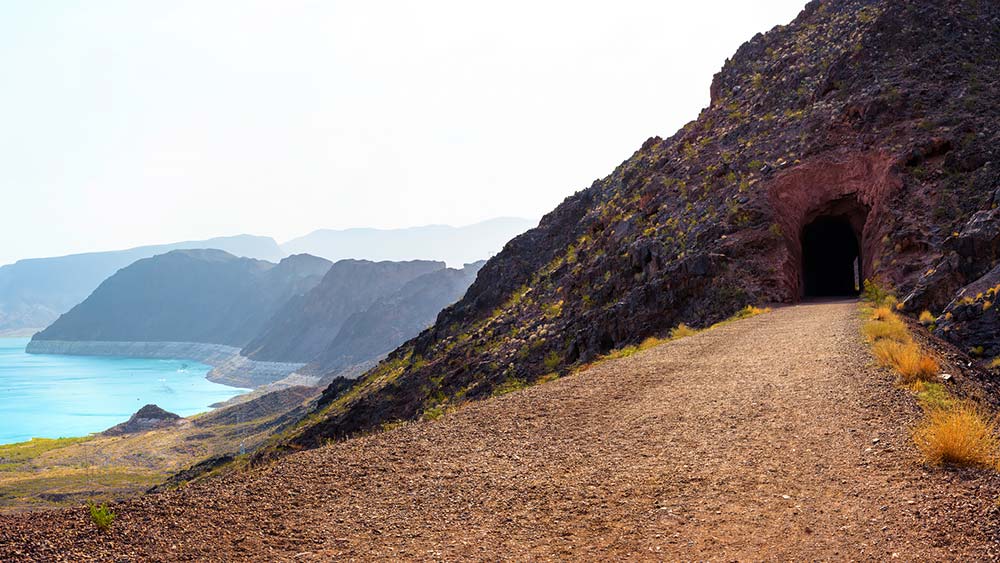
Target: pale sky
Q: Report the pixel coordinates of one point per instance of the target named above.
(137, 122)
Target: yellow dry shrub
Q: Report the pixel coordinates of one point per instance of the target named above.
(961, 435)
(681, 330)
(882, 314)
(906, 359)
(927, 318)
(995, 363)
(891, 330)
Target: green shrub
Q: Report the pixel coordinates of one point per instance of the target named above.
(552, 361)
(878, 294)
(509, 385)
(100, 515)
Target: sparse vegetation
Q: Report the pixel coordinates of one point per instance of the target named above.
(960, 435)
(952, 432)
(509, 385)
(681, 330)
(878, 295)
(889, 329)
(552, 361)
(995, 364)
(100, 515)
(926, 318)
(893, 346)
(933, 395)
(749, 311)
(906, 359)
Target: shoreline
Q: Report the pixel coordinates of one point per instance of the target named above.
(228, 367)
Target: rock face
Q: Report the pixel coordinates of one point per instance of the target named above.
(880, 115)
(963, 285)
(34, 292)
(149, 417)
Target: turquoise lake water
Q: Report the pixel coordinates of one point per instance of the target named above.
(49, 396)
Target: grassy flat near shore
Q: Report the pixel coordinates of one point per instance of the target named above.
(45, 472)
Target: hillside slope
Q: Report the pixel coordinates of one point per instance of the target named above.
(771, 438)
(34, 292)
(872, 123)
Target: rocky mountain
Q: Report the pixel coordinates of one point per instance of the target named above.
(256, 322)
(306, 325)
(868, 130)
(149, 417)
(204, 296)
(34, 292)
(392, 319)
(453, 245)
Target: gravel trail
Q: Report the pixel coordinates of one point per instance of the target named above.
(772, 438)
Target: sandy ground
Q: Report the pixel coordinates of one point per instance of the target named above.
(772, 438)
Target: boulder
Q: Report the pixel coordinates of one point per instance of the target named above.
(149, 417)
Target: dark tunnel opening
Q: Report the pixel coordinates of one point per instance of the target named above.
(831, 258)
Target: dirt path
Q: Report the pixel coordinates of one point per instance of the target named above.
(769, 438)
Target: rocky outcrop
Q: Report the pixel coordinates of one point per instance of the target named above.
(969, 255)
(149, 417)
(879, 114)
(972, 320)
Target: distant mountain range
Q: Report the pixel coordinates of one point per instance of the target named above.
(254, 321)
(454, 245)
(205, 296)
(34, 292)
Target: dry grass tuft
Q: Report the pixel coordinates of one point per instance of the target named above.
(886, 330)
(961, 435)
(995, 364)
(907, 359)
(681, 330)
(926, 318)
(882, 314)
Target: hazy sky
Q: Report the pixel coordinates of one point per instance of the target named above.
(132, 122)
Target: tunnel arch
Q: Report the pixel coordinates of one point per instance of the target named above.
(841, 187)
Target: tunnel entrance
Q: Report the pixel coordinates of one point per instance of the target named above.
(831, 257)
